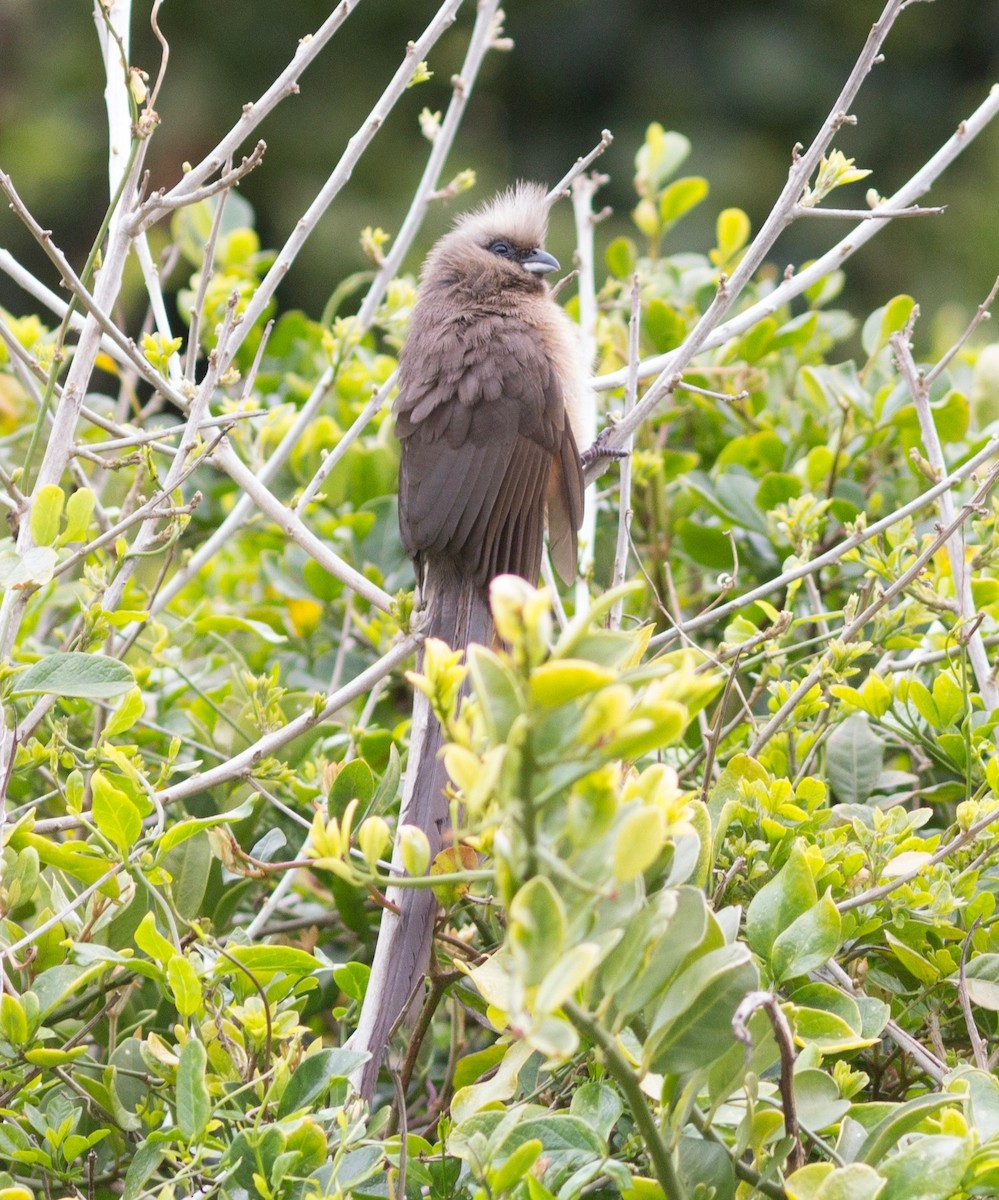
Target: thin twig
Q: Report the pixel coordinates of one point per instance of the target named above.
(584, 188)
(882, 213)
(977, 1044)
(854, 627)
(624, 500)
(304, 226)
(242, 764)
(579, 166)
(484, 36)
(800, 281)
(286, 84)
(915, 381)
(785, 1045)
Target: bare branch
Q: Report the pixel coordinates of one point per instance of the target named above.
(483, 38)
(624, 502)
(584, 188)
(917, 186)
(415, 53)
(294, 528)
(253, 114)
(854, 627)
(915, 381)
(242, 764)
(579, 166)
(229, 178)
(881, 213)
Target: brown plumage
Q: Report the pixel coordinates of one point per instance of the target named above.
(488, 384)
(486, 381)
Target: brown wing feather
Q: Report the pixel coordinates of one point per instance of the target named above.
(484, 434)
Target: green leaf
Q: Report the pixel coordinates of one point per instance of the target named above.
(496, 690)
(313, 1076)
(353, 781)
(680, 197)
(150, 1153)
(598, 1105)
(563, 679)
(706, 544)
(79, 510)
(666, 329)
(823, 1181)
(115, 813)
(693, 1025)
(620, 257)
(89, 676)
(352, 979)
(949, 699)
(780, 902)
(931, 1168)
(808, 942)
(982, 980)
(638, 841)
(46, 514)
(272, 958)
(149, 939)
(570, 972)
(537, 928)
(732, 231)
(854, 759)
(13, 1022)
(901, 1120)
(817, 1099)
(655, 945)
(516, 1167)
(186, 829)
(659, 157)
(777, 488)
(194, 1105)
(894, 318)
(184, 984)
(127, 713)
(914, 962)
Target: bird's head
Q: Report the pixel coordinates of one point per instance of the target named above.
(500, 245)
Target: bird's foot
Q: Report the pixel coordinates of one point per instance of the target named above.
(600, 451)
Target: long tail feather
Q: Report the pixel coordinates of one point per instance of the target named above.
(458, 614)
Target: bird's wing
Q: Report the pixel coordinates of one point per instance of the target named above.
(482, 422)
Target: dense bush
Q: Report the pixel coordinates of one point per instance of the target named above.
(718, 919)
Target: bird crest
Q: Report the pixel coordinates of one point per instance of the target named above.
(519, 214)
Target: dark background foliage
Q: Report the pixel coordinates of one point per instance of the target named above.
(743, 79)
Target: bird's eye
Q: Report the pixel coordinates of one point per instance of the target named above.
(503, 249)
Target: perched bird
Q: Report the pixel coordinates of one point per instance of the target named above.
(490, 380)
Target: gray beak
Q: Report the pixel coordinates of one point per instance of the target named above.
(540, 262)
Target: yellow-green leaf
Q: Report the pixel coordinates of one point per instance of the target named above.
(680, 197)
(184, 984)
(46, 513)
(115, 813)
(79, 510)
(732, 231)
(561, 680)
(127, 713)
(639, 840)
(149, 939)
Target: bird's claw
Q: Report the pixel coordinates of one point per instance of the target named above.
(600, 451)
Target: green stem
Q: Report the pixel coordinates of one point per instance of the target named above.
(627, 1081)
(744, 1171)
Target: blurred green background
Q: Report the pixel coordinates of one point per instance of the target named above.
(743, 79)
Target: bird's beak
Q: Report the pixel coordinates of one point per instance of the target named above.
(540, 262)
